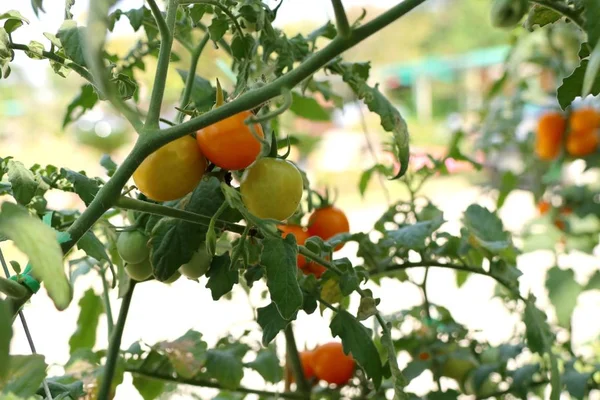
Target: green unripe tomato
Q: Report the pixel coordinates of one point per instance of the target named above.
(486, 389)
(140, 271)
(198, 264)
(173, 278)
(490, 355)
(458, 368)
(507, 13)
(132, 247)
(272, 188)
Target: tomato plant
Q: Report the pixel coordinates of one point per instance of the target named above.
(222, 193)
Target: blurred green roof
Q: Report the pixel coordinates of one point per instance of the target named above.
(445, 68)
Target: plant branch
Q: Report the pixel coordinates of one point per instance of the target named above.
(164, 55)
(110, 322)
(562, 9)
(294, 358)
(423, 287)
(315, 257)
(128, 203)
(501, 393)
(189, 82)
(214, 385)
(341, 20)
(163, 28)
(222, 7)
(115, 345)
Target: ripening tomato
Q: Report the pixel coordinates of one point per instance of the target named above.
(300, 234)
(230, 144)
(140, 271)
(132, 246)
(198, 264)
(584, 120)
(327, 222)
(272, 188)
(582, 144)
(331, 364)
(548, 139)
(306, 361)
(314, 268)
(544, 207)
(172, 171)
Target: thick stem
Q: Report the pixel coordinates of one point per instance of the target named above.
(294, 358)
(164, 55)
(341, 20)
(128, 203)
(163, 28)
(115, 345)
(189, 82)
(215, 385)
(110, 322)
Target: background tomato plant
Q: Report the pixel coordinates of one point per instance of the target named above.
(166, 207)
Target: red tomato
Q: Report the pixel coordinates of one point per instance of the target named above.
(327, 222)
(301, 236)
(331, 364)
(314, 268)
(229, 144)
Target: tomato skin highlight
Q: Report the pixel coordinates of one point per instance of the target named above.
(327, 222)
(229, 144)
(272, 188)
(300, 234)
(331, 364)
(172, 171)
(132, 246)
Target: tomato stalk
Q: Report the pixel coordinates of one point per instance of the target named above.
(294, 358)
(189, 82)
(341, 20)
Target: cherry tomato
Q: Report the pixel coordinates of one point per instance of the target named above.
(314, 268)
(306, 361)
(300, 234)
(330, 364)
(548, 139)
(172, 171)
(544, 207)
(580, 145)
(229, 144)
(458, 368)
(133, 247)
(176, 275)
(198, 264)
(584, 120)
(140, 271)
(272, 188)
(327, 222)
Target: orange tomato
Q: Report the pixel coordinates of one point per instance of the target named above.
(330, 364)
(172, 171)
(544, 207)
(550, 130)
(582, 144)
(229, 144)
(327, 222)
(314, 268)
(584, 120)
(301, 236)
(306, 361)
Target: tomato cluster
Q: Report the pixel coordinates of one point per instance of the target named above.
(325, 223)
(581, 129)
(328, 363)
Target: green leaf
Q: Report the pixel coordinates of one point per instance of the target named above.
(36, 50)
(572, 86)
(91, 308)
(149, 389)
(37, 6)
(413, 236)
(488, 231)
(365, 177)
(563, 292)
(508, 183)
(524, 375)
(85, 100)
(279, 259)
(267, 365)
(186, 354)
(271, 322)
(203, 93)
(85, 187)
(309, 108)
(541, 16)
(355, 75)
(136, 17)
(23, 182)
(217, 28)
(60, 390)
(591, 72)
(356, 339)
(220, 277)
(241, 46)
(5, 337)
(72, 39)
(415, 368)
(576, 382)
(93, 247)
(225, 366)
(38, 242)
(593, 282)
(536, 328)
(14, 20)
(174, 241)
(109, 165)
(25, 375)
(592, 16)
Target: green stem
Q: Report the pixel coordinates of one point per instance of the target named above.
(315, 257)
(341, 20)
(294, 358)
(163, 28)
(215, 385)
(562, 9)
(189, 82)
(423, 286)
(128, 203)
(107, 308)
(162, 67)
(223, 8)
(115, 345)
(287, 103)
